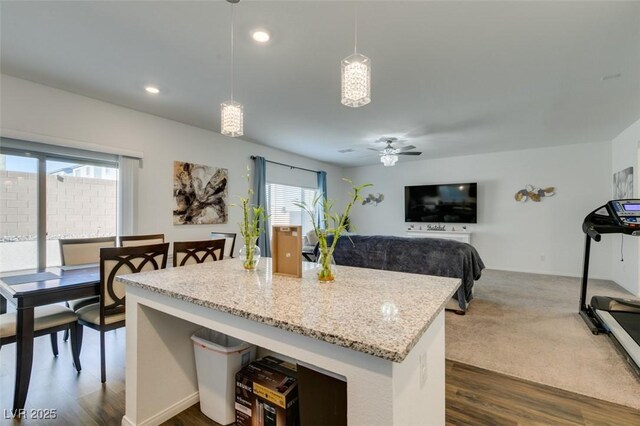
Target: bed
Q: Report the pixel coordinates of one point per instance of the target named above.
(429, 256)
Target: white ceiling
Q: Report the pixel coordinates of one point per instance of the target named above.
(450, 78)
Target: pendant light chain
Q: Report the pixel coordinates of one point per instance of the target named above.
(355, 43)
(232, 51)
(232, 112)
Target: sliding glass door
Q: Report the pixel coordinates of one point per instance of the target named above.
(51, 194)
(81, 202)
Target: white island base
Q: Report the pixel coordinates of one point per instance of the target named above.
(161, 375)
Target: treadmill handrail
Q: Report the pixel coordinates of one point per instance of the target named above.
(591, 231)
(594, 224)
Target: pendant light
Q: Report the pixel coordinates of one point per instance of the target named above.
(232, 112)
(356, 76)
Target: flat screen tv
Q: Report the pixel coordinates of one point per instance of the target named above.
(450, 203)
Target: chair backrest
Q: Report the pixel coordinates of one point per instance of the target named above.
(82, 251)
(140, 240)
(311, 238)
(125, 260)
(230, 238)
(192, 252)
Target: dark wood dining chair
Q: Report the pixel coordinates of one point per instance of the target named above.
(140, 240)
(49, 320)
(79, 252)
(230, 238)
(109, 313)
(192, 252)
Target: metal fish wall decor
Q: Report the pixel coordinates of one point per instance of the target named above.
(373, 199)
(533, 193)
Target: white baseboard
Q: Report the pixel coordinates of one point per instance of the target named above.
(556, 273)
(167, 413)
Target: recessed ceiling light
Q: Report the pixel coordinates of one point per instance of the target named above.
(152, 89)
(261, 36)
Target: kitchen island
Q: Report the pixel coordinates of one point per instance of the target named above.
(382, 331)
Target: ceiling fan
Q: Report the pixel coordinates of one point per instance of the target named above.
(389, 154)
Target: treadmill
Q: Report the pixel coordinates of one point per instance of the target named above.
(619, 318)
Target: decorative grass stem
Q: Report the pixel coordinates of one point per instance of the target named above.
(250, 229)
(326, 266)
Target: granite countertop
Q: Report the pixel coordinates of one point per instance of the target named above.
(381, 313)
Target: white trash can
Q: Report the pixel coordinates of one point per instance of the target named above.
(218, 358)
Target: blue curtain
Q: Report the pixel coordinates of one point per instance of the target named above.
(322, 188)
(260, 199)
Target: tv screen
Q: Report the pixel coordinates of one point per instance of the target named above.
(451, 203)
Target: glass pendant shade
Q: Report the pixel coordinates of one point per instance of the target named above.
(388, 160)
(231, 118)
(356, 80)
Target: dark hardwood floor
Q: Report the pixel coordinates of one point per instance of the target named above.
(474, 396)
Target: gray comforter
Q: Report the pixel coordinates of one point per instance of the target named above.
(429, 256)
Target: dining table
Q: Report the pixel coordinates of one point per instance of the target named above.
(27, 289)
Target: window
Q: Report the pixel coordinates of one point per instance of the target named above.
(281, 207)
(49, 193)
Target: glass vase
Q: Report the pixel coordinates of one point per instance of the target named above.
(250, 256)
(326, 266)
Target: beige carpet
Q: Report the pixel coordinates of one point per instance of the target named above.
(527, 325)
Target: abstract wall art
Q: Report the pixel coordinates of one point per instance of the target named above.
(199, 193)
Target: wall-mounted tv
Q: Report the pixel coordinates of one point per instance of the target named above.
(450, 203)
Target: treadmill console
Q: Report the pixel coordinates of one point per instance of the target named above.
(615, 217)
(626, 213)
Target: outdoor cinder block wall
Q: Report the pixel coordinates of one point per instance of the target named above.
(76, 207)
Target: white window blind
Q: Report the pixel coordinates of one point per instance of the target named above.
(281, 207)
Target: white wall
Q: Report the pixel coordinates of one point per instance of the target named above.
(543, 237)
(508, 236)
(45, 112)
(624, 153)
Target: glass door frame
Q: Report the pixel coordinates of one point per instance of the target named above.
(41, 187)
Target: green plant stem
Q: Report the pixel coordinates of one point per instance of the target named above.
(250, 227)
(325, 266)
(354, 198)
(326, 251)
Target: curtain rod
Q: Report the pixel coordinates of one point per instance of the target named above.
(253, 157)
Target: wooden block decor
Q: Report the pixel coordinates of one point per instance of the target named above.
(286, 250)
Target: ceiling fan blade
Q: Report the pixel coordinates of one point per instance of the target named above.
(373, 149)
(406, 148)
(409, 153)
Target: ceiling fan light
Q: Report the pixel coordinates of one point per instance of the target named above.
(356, 80)
(388, 160)
(231, 119)
(389, 150)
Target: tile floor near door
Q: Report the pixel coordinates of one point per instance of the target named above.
(474, 396)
